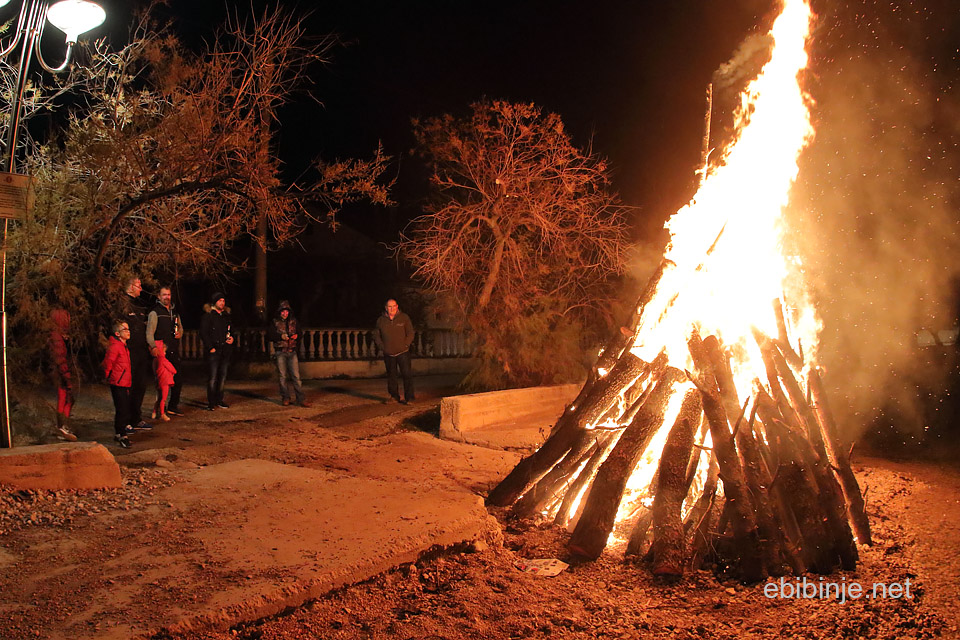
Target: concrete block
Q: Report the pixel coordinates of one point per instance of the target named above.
(70, 465)
(510, 419)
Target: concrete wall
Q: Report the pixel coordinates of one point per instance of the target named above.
(511, 419)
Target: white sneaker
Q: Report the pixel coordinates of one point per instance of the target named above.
(64, 433)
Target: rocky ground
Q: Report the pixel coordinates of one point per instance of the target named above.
(481, 593)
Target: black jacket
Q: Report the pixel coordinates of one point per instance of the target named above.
(164, 323)
(134, 313)
(214, 329)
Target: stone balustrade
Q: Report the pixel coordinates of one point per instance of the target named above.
(334, 344)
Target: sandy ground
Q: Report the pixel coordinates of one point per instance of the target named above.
(480, 592)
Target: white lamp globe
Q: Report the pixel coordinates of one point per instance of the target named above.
(3, 2)
(74, 17)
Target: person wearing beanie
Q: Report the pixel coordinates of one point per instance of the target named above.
(217, 344)
(286, 340)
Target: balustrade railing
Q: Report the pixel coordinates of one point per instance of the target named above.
(334, 344)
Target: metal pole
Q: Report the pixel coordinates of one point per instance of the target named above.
(30, 30)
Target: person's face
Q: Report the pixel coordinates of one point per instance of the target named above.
(392, 308)
(221, 304)
(135, 288)
(165, 297)
(124, 333)
(284, 313)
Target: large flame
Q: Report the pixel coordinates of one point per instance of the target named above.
(725, 258)
(741, 201)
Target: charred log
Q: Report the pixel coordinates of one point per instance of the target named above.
(596, 522)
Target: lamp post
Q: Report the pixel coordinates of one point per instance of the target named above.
(72, 17)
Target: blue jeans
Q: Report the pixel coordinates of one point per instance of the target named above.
(288, 366)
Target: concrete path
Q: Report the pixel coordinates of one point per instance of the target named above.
(249, 536)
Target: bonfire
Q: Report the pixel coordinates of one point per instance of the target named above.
(703, 429)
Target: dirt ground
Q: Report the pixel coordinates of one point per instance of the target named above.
(480, 592)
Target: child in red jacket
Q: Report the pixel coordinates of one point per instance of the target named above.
(165, 371)
(116, 369)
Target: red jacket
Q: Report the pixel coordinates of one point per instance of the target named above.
(116, 365)
(163, 367)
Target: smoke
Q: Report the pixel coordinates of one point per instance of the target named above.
(876, 209)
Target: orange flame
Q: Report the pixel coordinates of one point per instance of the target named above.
(739, 208)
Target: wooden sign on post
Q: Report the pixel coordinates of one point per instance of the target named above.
(16, 195)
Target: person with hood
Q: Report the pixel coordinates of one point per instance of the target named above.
(286, 339)
(217, 344)
(60, 357)
(163, 325)
(394, 335)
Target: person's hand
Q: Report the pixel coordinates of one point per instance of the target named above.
(178, 332)
(230, 340)
(284, 336)
(213, 350)
(293, 337)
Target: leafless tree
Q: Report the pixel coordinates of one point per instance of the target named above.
(523, 239)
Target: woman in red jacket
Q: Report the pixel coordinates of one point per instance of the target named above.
(116, 369)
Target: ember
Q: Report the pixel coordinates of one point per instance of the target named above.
(705, 426)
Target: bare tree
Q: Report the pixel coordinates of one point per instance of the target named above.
(523, 239)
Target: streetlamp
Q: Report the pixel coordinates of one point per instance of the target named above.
(72, 17)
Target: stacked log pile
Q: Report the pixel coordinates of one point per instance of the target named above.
(765, 484)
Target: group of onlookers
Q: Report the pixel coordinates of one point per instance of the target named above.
(145, 346)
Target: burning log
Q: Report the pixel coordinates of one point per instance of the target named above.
(596, 522)
(669, 550)
(840, 459)
(743, 514)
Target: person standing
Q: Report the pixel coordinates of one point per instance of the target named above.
(60, 358)
(394, 335)
(117, 370)
(217, 344)
(163, 325)
(165, 372)
(286, 339)
(134, 313)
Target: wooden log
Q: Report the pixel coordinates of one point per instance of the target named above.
(840, 459)
(758, 477)
(596, 522)
(640, 535)
(669, 550)
(735, 488)
(814, 449)
(783, 339)
(568, 431)
(575, 488)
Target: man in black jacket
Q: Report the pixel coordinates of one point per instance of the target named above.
(394, 335)
(285, 334)
(217, 344)
(163, 323)
(133, 310)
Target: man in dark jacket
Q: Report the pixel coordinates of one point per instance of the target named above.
(217, 344)
(286, 339)
(133, 310)
(163, 324)
(394, 335)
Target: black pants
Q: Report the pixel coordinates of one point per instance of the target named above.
(173, 400)
(402, 361)
(141, 371)
(217, 364)
(121, 407)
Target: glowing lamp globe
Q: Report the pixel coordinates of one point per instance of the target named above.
(74, 17)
